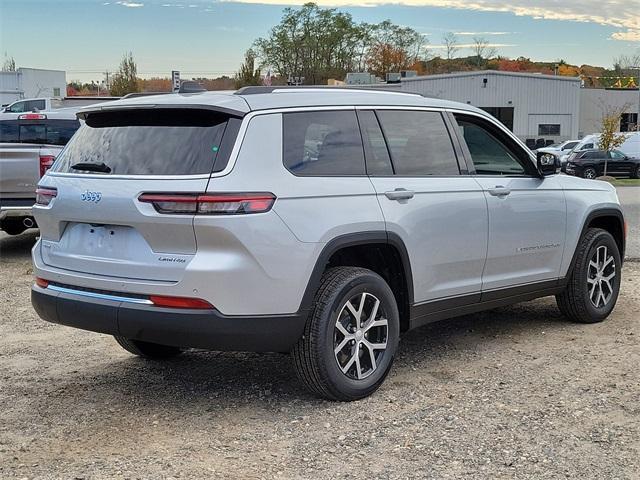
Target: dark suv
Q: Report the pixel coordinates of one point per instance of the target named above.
(591, 164)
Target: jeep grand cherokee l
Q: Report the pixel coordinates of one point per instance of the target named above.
(321, 222)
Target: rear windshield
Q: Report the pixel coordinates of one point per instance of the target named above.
(145, 142)
(49, 132)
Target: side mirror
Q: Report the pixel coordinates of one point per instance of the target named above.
(548, 164)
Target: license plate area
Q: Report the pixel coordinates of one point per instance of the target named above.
(112, 250)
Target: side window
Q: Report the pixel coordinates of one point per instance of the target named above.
(587, 146)
(322, 143)
(378, 161)
(616, 155)
(419, 143)
(489, 153)
(17, 107)
(33, 105)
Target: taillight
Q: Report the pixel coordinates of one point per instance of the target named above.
(41, 282)
(44, 195)
(179, 302)
(210, 204)
(45, 163)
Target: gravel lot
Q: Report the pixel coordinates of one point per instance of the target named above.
(512, 393)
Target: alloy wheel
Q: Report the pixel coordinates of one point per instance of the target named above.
(600, 276)
(360, 336)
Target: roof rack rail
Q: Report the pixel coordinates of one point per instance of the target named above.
(255, 90)
(143, 94)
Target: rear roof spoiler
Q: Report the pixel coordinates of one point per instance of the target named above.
(163, 106)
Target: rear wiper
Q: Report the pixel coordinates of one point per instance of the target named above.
(92, 167)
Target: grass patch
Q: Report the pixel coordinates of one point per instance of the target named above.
(621, 182)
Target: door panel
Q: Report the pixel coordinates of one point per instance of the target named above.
(526, 230)
(444, 227)
(439, 214)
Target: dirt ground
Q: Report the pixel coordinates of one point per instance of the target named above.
(516, 392)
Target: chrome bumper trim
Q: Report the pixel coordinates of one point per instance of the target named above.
(102, 296)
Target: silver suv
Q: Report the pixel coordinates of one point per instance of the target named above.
(321, 222)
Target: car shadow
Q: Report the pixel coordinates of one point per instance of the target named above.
(17, 247)
(207, 381)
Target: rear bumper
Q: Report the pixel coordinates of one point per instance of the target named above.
(16, 208)
(193, 328)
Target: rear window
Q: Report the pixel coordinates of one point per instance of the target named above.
(146, 142)
(323, 143)
(49, 132)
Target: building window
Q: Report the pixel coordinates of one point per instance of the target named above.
(56, 92)
(628, 122)
(549, 129)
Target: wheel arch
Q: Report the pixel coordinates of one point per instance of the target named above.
(359, 249)
(609, 219)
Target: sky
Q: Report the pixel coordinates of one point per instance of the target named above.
(208, 38)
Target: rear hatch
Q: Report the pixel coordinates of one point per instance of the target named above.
(97, 224)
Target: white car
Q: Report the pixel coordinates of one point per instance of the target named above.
(559, 149)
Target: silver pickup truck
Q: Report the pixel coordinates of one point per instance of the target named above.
(28, 146)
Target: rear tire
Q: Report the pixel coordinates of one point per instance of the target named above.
(594, 284)
(351, 335)
(146, 349)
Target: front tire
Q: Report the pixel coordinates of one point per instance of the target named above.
(351, 335)
(146, 349)
(594, 284)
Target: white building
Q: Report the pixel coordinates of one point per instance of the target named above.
(533, 106)
(595, 101)
(32, 83)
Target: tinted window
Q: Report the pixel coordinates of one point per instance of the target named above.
(489, 154)
(9, 132)
(50, 132)
(617, 155)
(586, 146)
(378, 161)
(322, 143)
(569, 145)
(419, 143)
(147, 142)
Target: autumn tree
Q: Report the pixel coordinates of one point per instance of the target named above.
(393, 48)
(248, 73)
(125, 79)
(610, 138)
(482, 50)
(9, 64)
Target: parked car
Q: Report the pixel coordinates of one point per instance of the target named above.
(591, 164)
(321, 222)
(630, 147)
(35, 105)
(558, 150)
(28, 147)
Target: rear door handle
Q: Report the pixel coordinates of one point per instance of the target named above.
(399, 194)
(499, 191)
